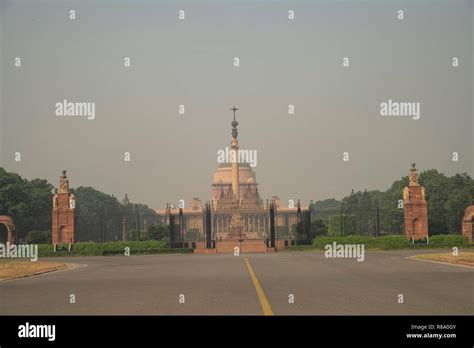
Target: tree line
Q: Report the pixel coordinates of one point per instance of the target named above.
(381, 212)
(99, 216)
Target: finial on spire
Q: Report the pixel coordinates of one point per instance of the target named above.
(234, 124)
(63, 183)
(413, 176)
(234, 109)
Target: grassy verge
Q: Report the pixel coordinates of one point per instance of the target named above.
(109, 248)
(387, 242)
(463, 258)
(11, 269)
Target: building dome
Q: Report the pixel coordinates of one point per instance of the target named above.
(223, 174)
(223, 179)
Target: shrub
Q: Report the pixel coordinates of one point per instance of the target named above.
(449, 240)
(39, 237)
(95, 249)
(159, 231)
(349, 224)
(149, 251)
(392, 242)
(142, 235)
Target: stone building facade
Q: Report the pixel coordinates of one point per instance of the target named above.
(238, 211)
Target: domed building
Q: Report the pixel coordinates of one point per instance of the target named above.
(236, 208)
(223, 179)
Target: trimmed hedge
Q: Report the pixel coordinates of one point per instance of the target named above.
(387, 242)
(449, 240)
(109, 248)
(149, 251)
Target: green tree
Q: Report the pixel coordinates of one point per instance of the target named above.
(29, 203)
(140, 235)
(158, 231)
(325, 208)
(137, 214)
(318, 228)
(98, 215)
(40, 204)
(365, 215)
(39, 237)
(349, 225)
(461, 196)
(437, 187)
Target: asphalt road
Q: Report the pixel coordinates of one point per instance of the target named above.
(223, 284)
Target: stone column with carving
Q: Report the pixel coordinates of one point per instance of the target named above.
(64, 206)
(415, 208)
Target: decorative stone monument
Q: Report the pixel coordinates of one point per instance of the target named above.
(235, 228)
(415, 208)
(64, 206)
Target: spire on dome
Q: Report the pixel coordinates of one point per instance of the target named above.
(234, 124)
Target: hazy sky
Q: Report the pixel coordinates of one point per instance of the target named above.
(190, 62)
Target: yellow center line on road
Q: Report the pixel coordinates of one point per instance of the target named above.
(267, 309)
